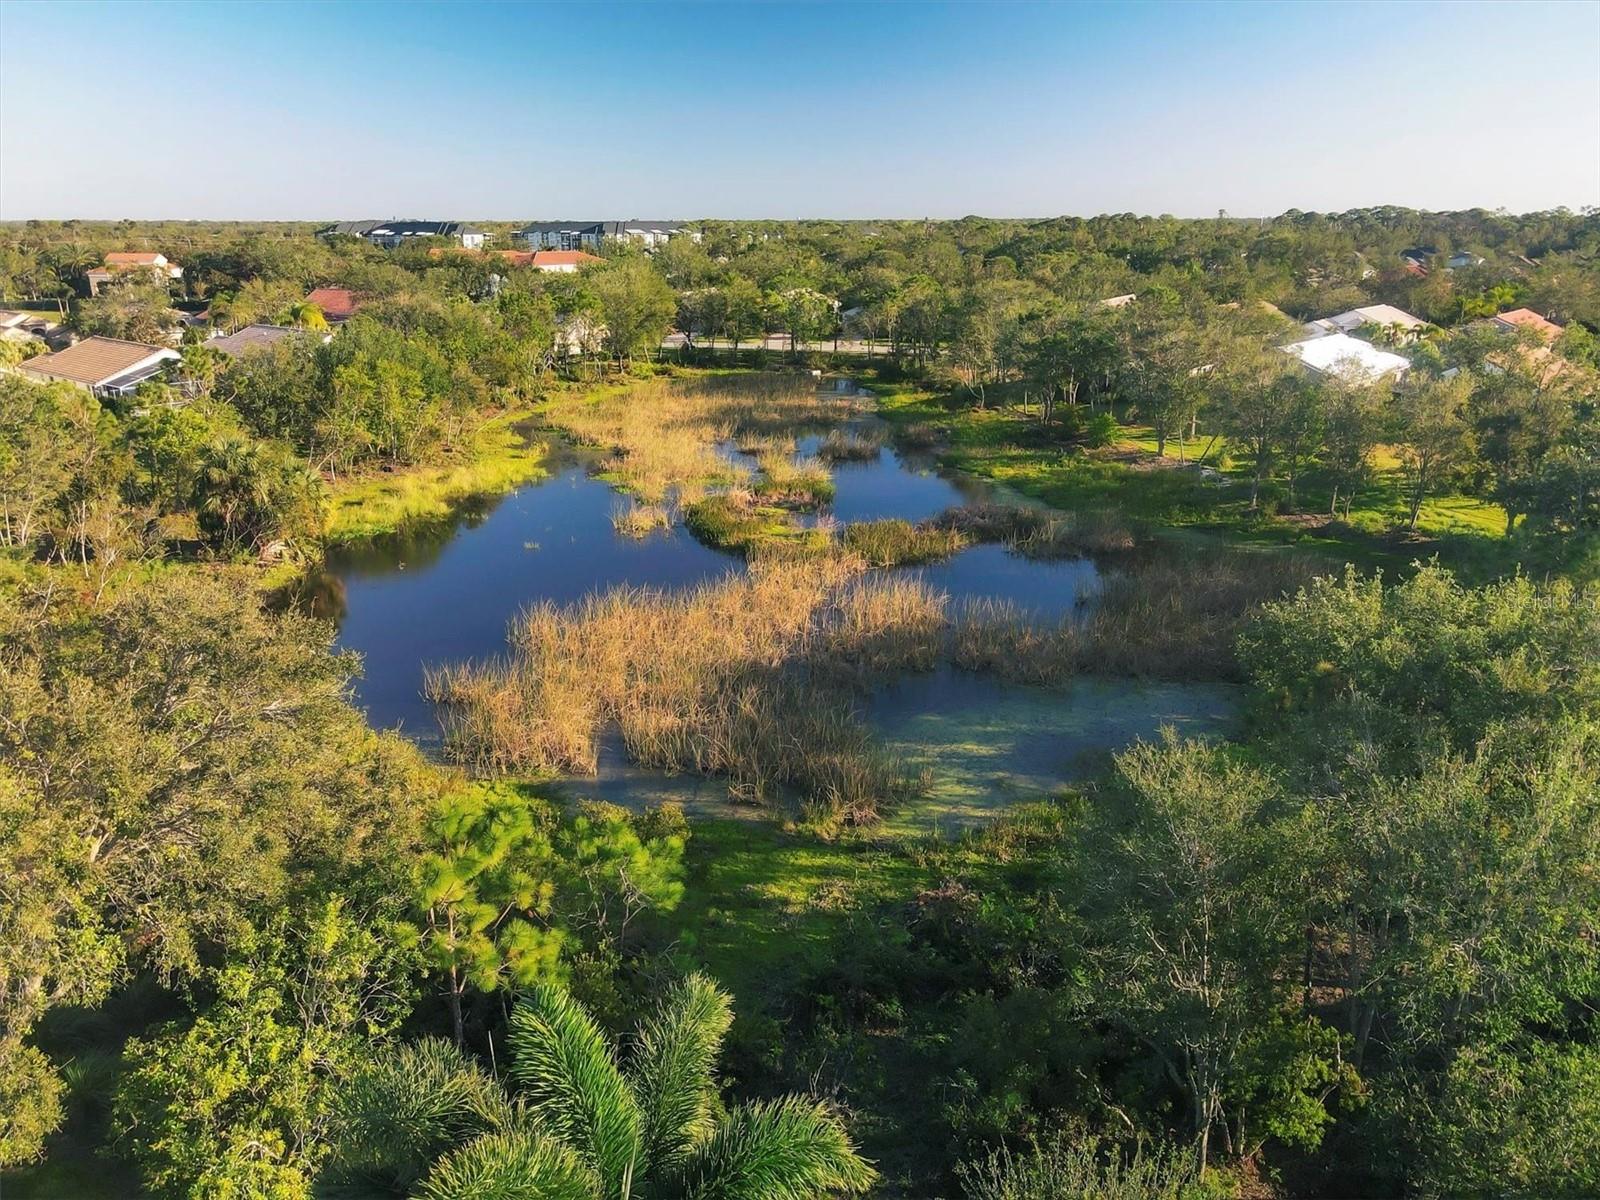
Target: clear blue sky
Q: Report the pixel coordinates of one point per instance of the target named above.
(501, 111)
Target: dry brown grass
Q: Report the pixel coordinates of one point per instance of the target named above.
(749, 678)
(842, 446)
(661, 434)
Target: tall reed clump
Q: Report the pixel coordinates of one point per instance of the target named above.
(1179, 616)
(997, 637)
(796, 482)
(894, 542)
(842, 446)
(637, 520)
(1037, 533)
(918, 435)
(661, 434)
(749, 678)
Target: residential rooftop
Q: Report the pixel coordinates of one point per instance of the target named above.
(1346, 357)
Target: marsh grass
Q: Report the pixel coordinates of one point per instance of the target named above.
(894, 542)
(661, 434)
(996, 637)
(918, 435)
(636, 520)
(751, 678)
(842, 446)
(1177, 614)
(794, 482)
(1037, 533)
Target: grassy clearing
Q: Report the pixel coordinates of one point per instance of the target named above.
(499, 459)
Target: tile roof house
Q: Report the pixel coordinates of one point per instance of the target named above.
(254, 337)
(122, 261)
(337, 304)
(563, 261)
(1347, 358)
(1526, 318)
(1384, 315)
(105, 366)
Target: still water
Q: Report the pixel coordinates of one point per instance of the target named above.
(447, 595)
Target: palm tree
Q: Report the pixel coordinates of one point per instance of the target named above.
(582, 1125)
(305, 314)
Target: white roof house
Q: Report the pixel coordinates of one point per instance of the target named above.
(1372, 314)
(1348, 358)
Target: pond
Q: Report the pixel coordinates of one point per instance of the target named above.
(447, 594)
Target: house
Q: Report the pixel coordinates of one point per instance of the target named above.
(26, 326)
(1347, 358)
(121, 262)
(390, 234)
(254, 337)
(561, 261)
(337, 304)
(1525, 318)
(355, 229)
(1119, 301)
(1385, 316)
(105, 366)
(1462, 259)
(589, 235)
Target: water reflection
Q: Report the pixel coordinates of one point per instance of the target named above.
(446, 594)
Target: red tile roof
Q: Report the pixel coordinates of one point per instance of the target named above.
(131, 258)
(1526, 318)
(337, 304)
(562, 258)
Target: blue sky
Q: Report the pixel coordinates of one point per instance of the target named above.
(503, 111)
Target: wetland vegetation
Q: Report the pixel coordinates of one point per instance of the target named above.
(392, 729)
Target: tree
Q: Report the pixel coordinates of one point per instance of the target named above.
(135, 306)
(1434, 437)
(1190, 919)
(1355, 420)
(175, 763)
(1517, 422)
(305, 315)
(803, 313)
(486, 893)
(248, 494)
(1257, 391)
(746, 317)
(235, 1103)
(595, 1127)
(635, 303)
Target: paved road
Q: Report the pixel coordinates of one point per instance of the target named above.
(778, 341)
